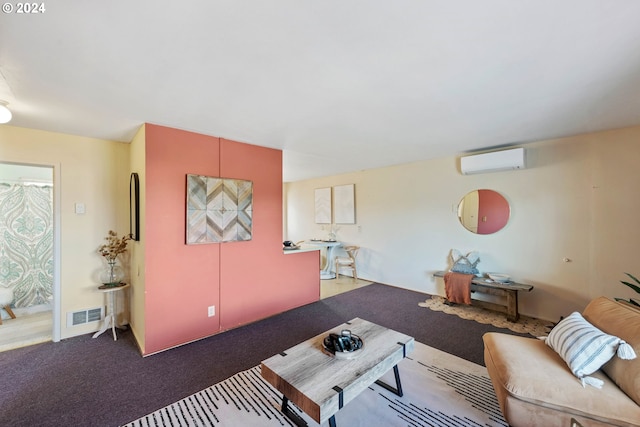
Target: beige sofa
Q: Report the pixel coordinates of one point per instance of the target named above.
(535, 387)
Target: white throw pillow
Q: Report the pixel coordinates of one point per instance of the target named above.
(465, 264)
(586, 348)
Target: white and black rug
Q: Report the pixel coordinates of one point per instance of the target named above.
(439, 390)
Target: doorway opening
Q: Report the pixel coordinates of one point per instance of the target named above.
(28, 254)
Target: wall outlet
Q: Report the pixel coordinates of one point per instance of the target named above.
(211, 311)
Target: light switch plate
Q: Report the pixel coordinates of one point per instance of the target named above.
(80, 208)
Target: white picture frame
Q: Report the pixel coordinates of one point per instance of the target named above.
(323, 205)
(344, 204)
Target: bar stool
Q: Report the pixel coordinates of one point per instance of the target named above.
(6, 298)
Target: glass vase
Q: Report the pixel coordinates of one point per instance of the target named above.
(112, 274)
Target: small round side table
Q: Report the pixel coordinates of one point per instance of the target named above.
(326, 273)
(110, 316)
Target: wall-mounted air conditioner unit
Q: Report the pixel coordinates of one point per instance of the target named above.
(493, 162)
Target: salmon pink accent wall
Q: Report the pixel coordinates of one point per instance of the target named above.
(181, 281)
(246, 281)
(257, 279)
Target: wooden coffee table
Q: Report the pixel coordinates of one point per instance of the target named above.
(320, 384)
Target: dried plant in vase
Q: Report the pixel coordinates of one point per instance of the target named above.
(113, 274)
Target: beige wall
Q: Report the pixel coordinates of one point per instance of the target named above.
(91, 171)
(577, 199)
(137, 248)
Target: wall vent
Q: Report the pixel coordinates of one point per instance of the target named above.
(85, 316)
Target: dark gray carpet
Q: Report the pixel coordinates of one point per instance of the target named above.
(98, 382)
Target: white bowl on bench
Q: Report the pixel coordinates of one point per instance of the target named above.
(499, 277)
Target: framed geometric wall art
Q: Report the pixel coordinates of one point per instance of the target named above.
(218, 210)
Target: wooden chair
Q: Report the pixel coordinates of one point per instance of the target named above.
(6, 298)
(348, 262)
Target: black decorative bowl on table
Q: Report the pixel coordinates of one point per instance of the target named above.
(344, 345)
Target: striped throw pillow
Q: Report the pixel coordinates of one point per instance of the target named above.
(585, 348)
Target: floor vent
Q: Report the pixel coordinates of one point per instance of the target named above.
(85, 316)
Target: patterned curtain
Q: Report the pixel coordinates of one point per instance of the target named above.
(26, 247)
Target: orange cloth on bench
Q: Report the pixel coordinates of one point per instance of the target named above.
(457, 287)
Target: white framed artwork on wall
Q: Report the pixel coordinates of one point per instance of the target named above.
(344, 204)
(323, 205)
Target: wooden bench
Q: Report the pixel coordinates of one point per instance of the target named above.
(509, 291)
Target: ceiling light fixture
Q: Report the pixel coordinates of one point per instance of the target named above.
(5, 113)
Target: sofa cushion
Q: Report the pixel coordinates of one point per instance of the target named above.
(584, 347)
(533, 374)
(622, 320)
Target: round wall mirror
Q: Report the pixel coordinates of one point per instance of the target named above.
(483, 211)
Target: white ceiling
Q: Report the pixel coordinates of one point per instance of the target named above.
(339, 86)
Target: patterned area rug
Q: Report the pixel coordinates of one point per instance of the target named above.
(439, 390)
(524, 325)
